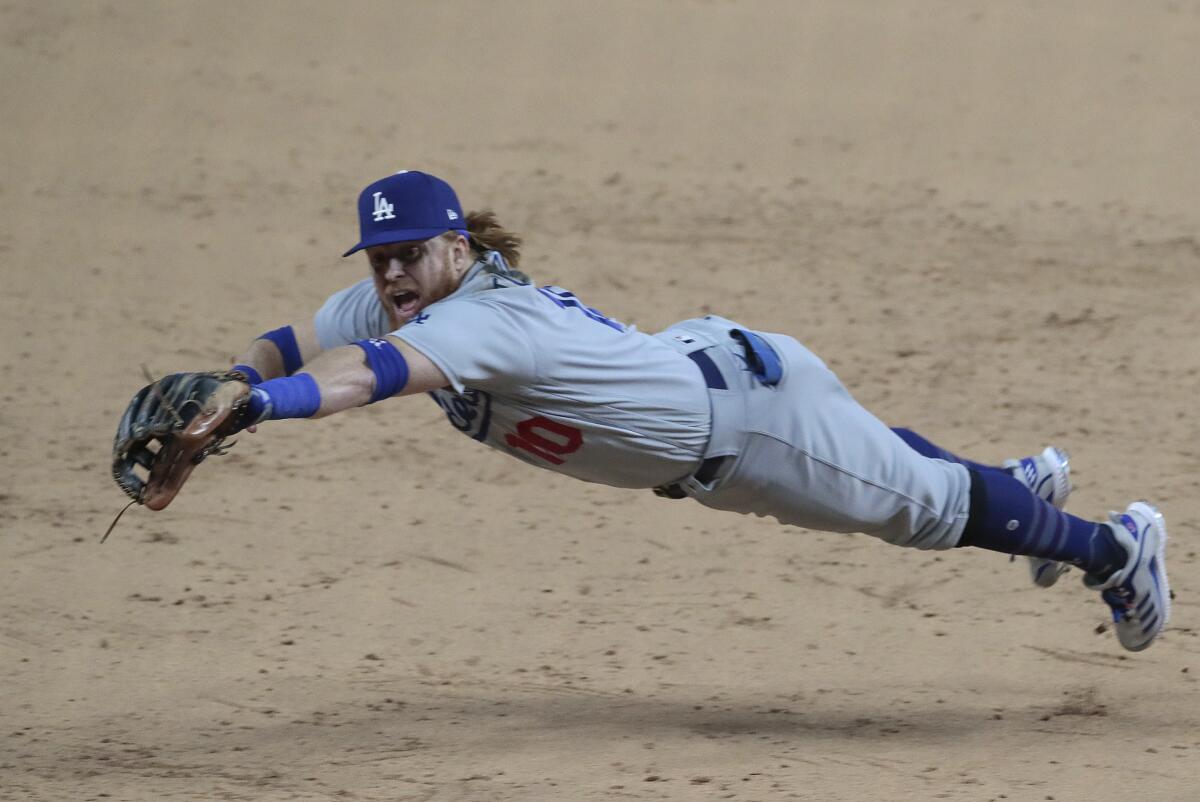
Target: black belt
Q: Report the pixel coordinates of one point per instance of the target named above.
(709, 467)
(705, 474)
(712, 374)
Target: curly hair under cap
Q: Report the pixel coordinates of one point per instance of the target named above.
(486, 234)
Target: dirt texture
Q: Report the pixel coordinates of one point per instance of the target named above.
(982, 215)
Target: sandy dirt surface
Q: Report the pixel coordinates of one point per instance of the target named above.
(982, 215)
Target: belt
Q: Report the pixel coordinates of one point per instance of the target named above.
(706, 473)
(707, 342)
(712, 374)
(708, 468)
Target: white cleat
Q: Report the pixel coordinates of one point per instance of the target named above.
(1138, 594)
(1048, 476)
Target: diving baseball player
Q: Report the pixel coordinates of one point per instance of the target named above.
(708, 409)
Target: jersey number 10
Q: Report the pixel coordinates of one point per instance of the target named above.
(545, 438)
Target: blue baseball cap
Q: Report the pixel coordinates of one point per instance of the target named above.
(409, 205)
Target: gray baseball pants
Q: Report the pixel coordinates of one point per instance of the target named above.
(806, 453)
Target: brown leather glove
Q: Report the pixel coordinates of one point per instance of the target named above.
(170, 426)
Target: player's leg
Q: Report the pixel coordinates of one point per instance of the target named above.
(1017, 509)
(1124, 558)
(1006, 517)
(815, 458)
(1047, 475)
(927, 448)
(810, 456)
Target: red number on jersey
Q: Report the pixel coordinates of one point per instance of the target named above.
(545, 438)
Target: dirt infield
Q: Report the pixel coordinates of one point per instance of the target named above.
(982, 215)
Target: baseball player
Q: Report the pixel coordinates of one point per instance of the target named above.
(708, 409)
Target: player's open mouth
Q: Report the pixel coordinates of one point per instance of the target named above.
(406, 302)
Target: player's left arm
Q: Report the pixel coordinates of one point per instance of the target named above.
(280, 352)
(350, 376)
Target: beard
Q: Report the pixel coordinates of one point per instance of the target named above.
(406, 299)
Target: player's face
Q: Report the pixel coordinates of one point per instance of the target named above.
(410, 276)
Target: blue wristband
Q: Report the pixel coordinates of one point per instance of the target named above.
(285, 340)
(290, 397)
(389, 366)
(251, 374)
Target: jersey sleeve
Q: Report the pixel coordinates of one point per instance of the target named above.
(354, 313)
(479, 343)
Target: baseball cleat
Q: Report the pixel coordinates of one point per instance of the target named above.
(1138, 594)
(1048, 476)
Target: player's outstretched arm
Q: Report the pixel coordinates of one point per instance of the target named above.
(347, 377)
(368, 371)
(280, 352)
(189, 415)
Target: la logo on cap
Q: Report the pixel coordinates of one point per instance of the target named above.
(409, 206)
(383, 209)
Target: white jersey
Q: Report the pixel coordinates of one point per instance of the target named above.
(539, 375)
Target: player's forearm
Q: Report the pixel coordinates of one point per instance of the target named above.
(333, 381)
(369, 371)
(280, 352)
(343, 378)
(264, 358)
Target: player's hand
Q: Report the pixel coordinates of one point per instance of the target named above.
(170, 426)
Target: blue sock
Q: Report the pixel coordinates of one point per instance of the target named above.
(1006, 517)
(927, 449)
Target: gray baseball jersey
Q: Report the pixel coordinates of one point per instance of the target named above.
(537, 374)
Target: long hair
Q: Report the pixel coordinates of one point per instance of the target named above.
(486, 234)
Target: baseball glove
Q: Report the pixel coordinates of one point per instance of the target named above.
(170, 426)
